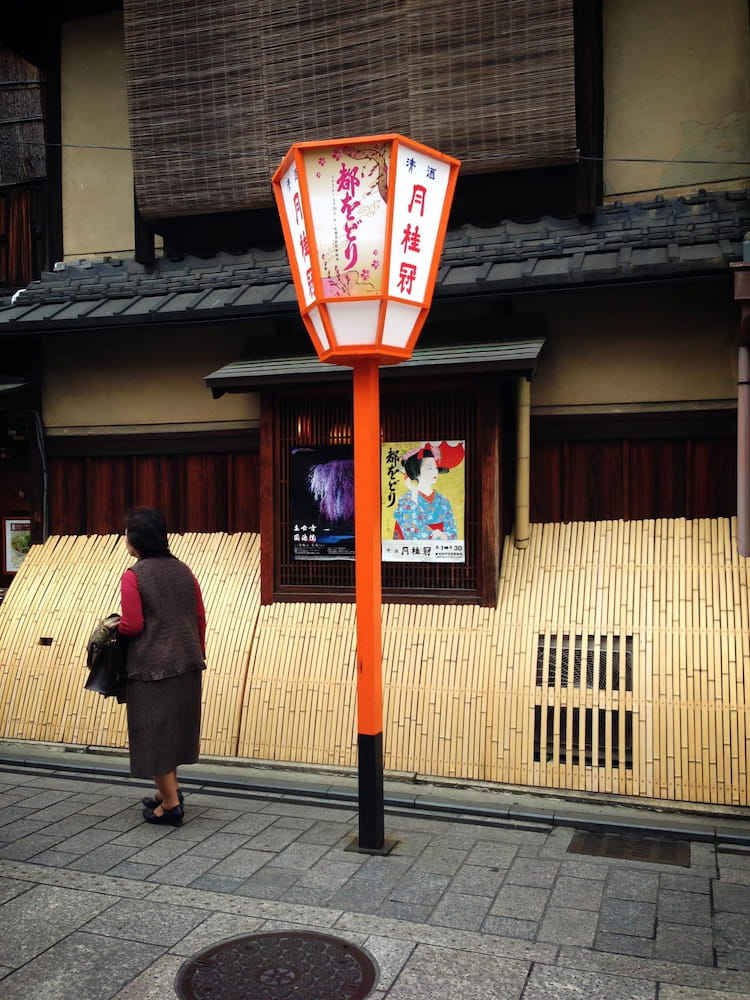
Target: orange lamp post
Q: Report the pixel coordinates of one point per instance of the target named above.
(364, 222)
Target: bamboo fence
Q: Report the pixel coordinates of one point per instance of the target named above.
(615, 661)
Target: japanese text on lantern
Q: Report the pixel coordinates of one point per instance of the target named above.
(347, 183)
(414, 225)
(291, 193)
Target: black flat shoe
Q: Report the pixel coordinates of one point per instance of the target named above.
(169, 817)
(153, 803)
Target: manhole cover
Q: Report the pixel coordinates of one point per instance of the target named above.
(288, 965)
(660, 852)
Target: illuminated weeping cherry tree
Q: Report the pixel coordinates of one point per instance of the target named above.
(364, 222)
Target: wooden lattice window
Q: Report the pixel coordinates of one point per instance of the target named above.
(302, 417)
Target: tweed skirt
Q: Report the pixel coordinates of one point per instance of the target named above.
(164, 723)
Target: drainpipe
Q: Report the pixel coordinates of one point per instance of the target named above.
(523, 463)
(742, 295)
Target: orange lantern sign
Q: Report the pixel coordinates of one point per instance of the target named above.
(364, 222)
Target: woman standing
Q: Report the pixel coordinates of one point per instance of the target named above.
(164, 618)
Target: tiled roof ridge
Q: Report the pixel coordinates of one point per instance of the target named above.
(654, 237)
(516, 238)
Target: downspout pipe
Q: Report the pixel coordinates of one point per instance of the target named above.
(742, 295)
(523, 463)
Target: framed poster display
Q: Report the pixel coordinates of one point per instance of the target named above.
(16, 542)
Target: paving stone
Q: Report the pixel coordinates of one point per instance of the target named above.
(218, 883)
(156, 983)
(684, 908)
(390, 956)
(82, 966)
(731, 898)
(521, 902)
(328, 873)
(596, 869)
(183, 870)
(11, 833)
(685, 883)
(460, 910)
(325, 833)
(420, 887)
(307, 894)
(549, 983)
(127, 869)
(489, 854)
(216, 927)
(146, 921)
(266, 883)
(160, 853)
(101, 860)
(219, 845)
(83, 843)
(669, 992)
(479, 881)
(624, 944)
(702, 856)
(627, 916)
(530, 872)
(70, 826)
(299, 856)
(11, 887)
(415, 912)
(55, 859)
(383, 871)
(434, 972)
(681, 943)
(562, 925)
(242, 863)
(510, 927)
(440, 860)
(732, 938)
(579, 893)
(28, 847)
(12, 813)
(635, 885)
(273, 838)
(41, 917)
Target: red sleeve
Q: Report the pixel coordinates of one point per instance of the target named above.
(131, 620)
(201, 615)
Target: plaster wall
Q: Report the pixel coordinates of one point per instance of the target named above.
(140, 382)
(97, 181)
(676, 87)
(637, 349)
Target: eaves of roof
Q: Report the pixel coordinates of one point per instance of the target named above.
(517, 355)
(662, 239)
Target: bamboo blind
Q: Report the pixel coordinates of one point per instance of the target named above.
(615, 661)
(65, 586)
(219, 89)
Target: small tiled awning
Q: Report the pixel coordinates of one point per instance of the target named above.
(518, 356)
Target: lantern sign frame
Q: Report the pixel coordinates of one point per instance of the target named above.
(364, 222)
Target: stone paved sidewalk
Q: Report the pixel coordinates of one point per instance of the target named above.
(96, 904)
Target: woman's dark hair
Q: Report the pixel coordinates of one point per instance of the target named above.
(146, 530)
(413, 464)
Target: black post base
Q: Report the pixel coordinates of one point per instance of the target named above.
(371, 804)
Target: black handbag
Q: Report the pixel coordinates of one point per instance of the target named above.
(106, 656)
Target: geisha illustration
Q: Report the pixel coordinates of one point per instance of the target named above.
(424, 522)
(422, 512)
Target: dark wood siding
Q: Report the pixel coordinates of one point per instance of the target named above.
(658, 466)
(202, 492)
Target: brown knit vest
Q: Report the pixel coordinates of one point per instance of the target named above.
(169, 644)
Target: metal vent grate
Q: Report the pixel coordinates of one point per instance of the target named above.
(653, 849)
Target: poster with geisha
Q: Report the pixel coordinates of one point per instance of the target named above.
(322, 502)
(423, 501)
